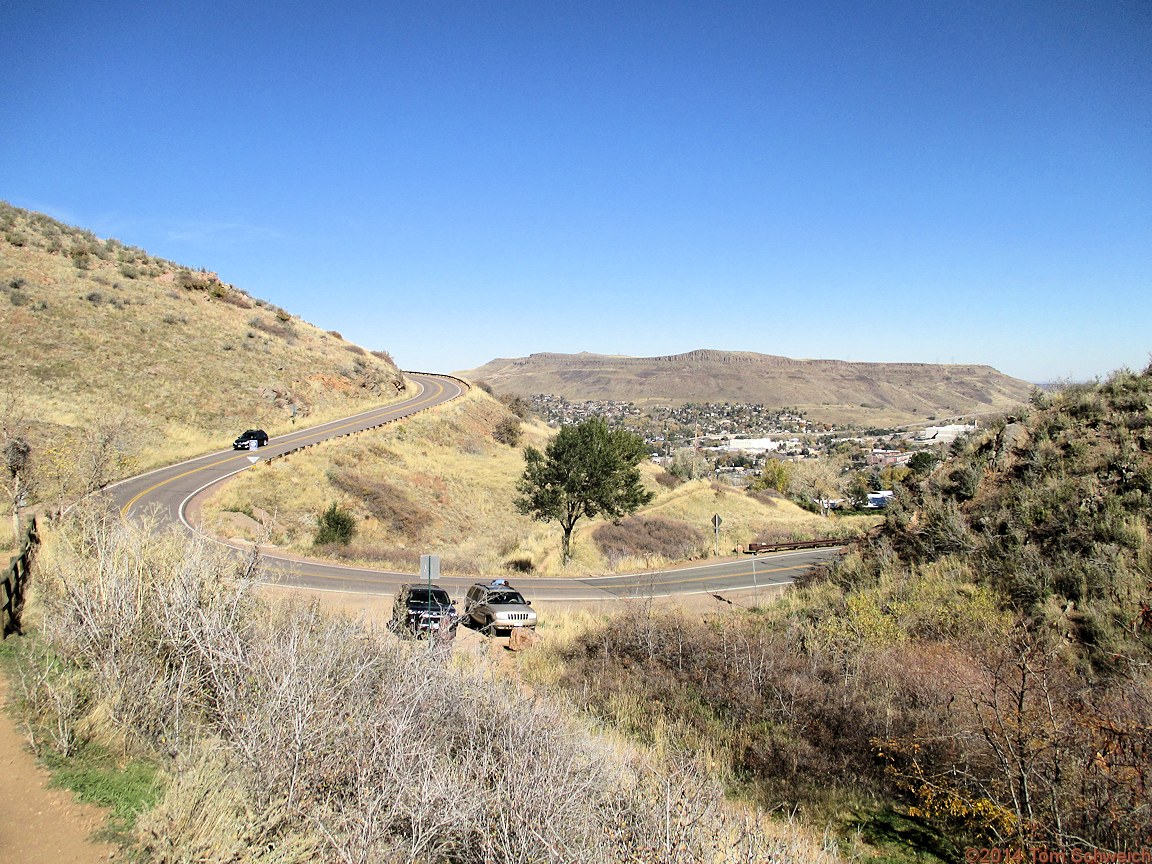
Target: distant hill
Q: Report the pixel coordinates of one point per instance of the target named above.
(95, 333)
(824, 389)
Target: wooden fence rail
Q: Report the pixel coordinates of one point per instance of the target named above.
(16, 577)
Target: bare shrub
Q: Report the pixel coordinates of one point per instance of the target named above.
(358, 550)
(282, 329)
(649, 535)
(53, 699)
(507, 431)
(518, 405)
(768, 497)
(236, 298)
(206, 815)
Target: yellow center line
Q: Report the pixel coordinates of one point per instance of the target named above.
(124, 510)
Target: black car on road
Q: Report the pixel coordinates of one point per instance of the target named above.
(248, 436)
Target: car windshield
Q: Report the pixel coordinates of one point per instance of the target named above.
(439, 596)
(504, 597)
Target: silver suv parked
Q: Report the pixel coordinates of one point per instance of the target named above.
(496, 607)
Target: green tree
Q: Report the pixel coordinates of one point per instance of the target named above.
(777, 474)
(922, 463)
(587, 470)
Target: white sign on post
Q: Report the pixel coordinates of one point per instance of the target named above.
(429, 568)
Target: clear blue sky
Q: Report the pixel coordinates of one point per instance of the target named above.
(454, 181)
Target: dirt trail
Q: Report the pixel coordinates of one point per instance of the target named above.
(39, 825)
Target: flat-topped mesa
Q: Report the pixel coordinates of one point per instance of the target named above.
(585, 359)
(838, 389)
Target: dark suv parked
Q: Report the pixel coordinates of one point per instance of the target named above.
(257, 435)
(496, 606)
(420, 610)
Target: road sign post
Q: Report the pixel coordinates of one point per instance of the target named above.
(716, 523)
(430, 572)
(429, 568)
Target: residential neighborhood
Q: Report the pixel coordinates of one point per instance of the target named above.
(737, 439)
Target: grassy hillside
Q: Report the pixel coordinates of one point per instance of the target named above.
(441, 483)
(978, 674)
(104, 345)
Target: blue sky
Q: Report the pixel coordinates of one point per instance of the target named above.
(455, 181)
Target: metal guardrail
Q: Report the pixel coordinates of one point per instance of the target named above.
(757, 548)
(270, 459)
(16, 577)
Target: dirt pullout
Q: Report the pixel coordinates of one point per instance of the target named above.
(41, 825)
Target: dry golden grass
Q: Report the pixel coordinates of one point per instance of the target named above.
(444, 467)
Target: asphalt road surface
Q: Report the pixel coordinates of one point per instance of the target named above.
(168, 492)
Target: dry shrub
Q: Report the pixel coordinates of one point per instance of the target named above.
(507, 431)
(235, 298)
(298, 736)
(791, 724)
(982, 730)
(767, 497)
(206, 814)
(640, 536)
(386, 502)
(282, 329)
(780, 535)
(398, 557)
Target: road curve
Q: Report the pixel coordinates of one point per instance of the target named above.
(167, 492)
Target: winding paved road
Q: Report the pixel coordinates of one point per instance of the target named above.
(169, 491)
